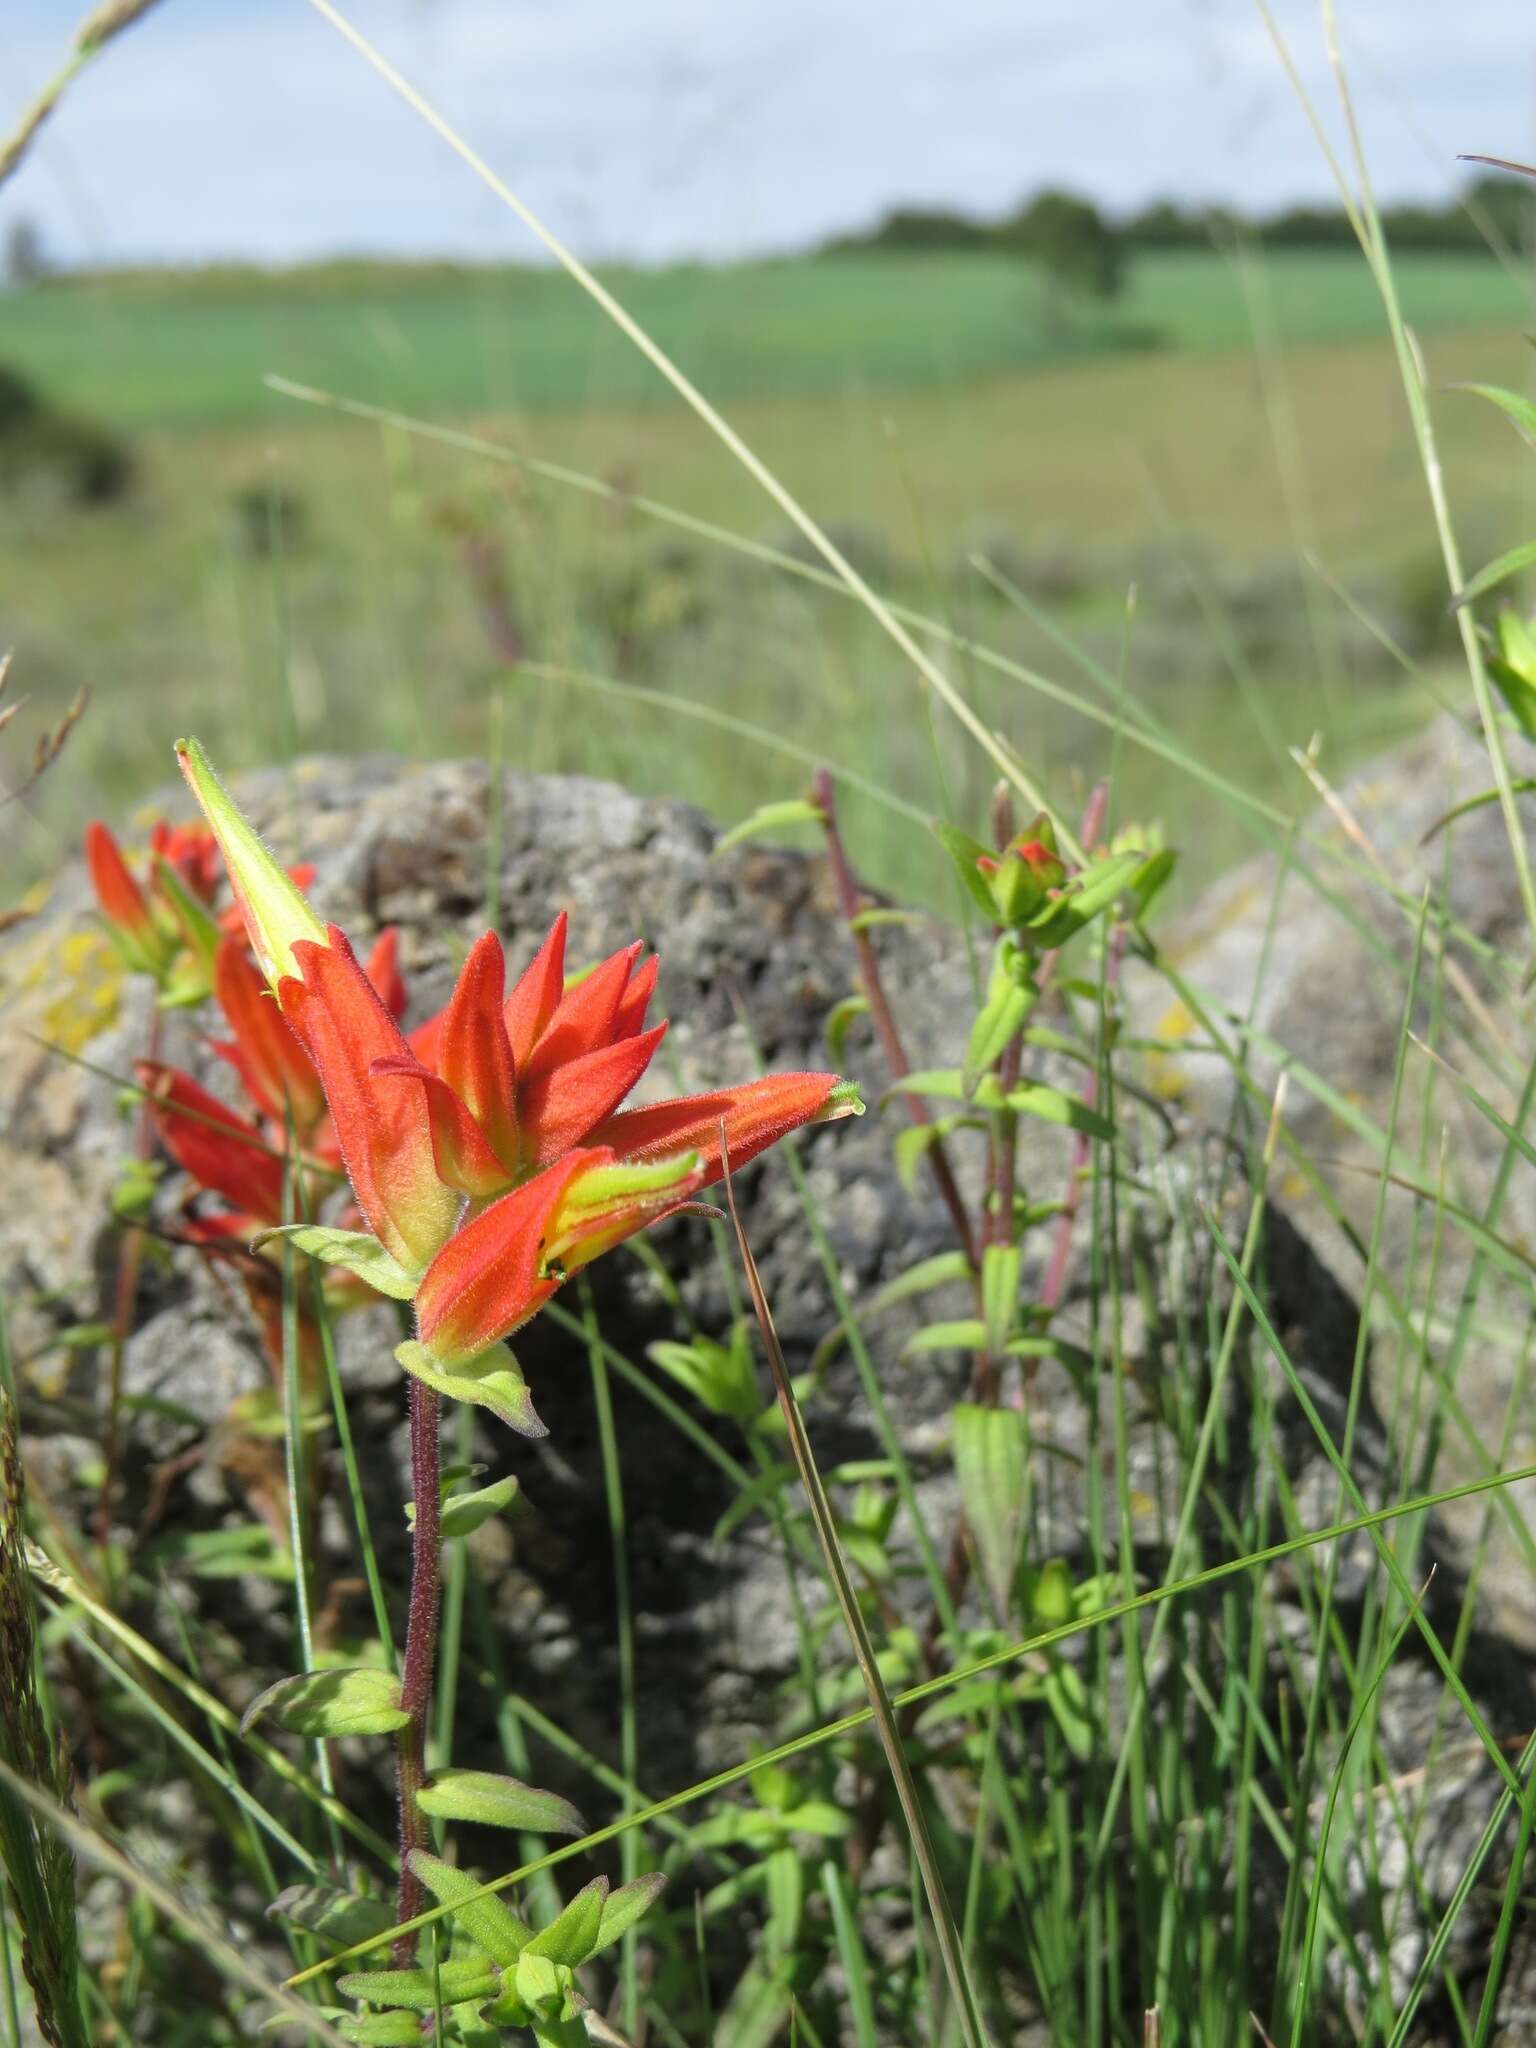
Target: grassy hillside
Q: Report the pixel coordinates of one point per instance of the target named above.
(1203, 474)
(151, 350)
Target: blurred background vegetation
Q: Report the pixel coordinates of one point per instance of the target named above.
(1165, 455)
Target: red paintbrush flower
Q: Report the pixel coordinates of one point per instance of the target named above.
(489, 1153)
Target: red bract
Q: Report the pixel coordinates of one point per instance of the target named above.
(142, 938)
(501, 1269)
(512, 1082)
(380, 1126)
(222, 1151)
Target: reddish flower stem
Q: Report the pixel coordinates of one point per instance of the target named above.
(130, 1260)
(420, 1653)
(850, 901)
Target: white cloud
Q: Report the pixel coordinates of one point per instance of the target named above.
(692, 126)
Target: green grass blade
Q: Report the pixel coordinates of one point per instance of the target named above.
(915, 1695)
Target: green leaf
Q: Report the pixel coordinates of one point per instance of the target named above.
(838, 1024)
(943, 1269)
(818, 1817)
(379, 2030)
(1518, 692)
(873, 919)
(771, 818)
(999, 1294)
(721, 1376)
(1149, 879)
(355, 1250)
(965, 851)
(497, 1802)
(571, 1938)
(544, 1986)
(1033, 1098)
(968, 1334)
(462, 1979)
(991, 1464)
(487, 1920)
(494, 1380)
(334, 1915)
(1067, 1697)
(463, 1513)
(1498, 571)
(999, 1020)
(621, 1909)
(1520, 410)
(947, 1083)
(358, 1700)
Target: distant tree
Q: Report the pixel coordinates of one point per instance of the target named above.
(917, 227)
(1072, 242)
(1163, 225)
(25, 260)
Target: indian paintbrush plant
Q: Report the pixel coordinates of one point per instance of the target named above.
(488, 1157)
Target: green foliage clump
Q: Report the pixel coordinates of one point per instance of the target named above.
(76, 458)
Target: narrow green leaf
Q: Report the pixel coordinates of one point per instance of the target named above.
(380, 2030)
(354, 1250)
(358, 1700)
(494, 1380)
(1033, 1098)
(622, 1908)
(991, 1464)
(461, 1979)
(965, 851)
(571, 1938)
(333, 1914)
(771, 818)
(968, 1334)
(838, 1024)
(999, 1294)
(721, 1376)
(880, 916)
(1498, 571)
(999, 1020)
(947, 1083)
(486, 1919)
(463, 1513)
(1520, 410)
(498, 1802)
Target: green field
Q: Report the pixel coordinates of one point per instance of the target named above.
(909, 402)
(169, 350)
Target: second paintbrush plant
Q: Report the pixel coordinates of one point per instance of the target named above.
(488, 1150)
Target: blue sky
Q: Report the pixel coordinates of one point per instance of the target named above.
(655, 129)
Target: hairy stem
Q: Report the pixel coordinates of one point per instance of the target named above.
(420, 1652)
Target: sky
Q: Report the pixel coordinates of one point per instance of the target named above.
(654, 130)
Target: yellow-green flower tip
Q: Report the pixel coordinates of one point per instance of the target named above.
(275, 912)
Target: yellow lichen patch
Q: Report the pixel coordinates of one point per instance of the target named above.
(77, 982)
(1165, 1076)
